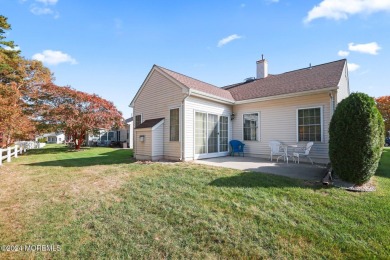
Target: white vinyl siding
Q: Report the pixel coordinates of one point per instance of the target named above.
(278, 121)
(343, 85)
(155, 100)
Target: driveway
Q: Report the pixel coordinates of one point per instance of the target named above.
(299, 171)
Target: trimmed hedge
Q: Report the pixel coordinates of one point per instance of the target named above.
(356, 138)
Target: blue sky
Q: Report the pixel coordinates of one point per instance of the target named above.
(108, 47)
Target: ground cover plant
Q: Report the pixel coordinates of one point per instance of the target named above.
(99, 203)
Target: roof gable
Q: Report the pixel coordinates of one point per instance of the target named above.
(315, 78)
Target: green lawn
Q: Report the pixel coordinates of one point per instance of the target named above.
(99, 203)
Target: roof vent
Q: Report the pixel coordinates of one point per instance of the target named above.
(250, 79)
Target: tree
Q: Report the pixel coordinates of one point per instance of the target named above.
(356, 138)
(383, 104)
(20, 81)
(76, 112)
(13, 122)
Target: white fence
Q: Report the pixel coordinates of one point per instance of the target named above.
(18, 149)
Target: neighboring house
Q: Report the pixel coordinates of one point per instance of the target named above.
(53, 138)
(104, 138)
(177, 117)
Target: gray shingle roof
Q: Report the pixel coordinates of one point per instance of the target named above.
(199, 85)
(313, 78)
(149, 123)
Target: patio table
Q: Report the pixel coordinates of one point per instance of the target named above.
(290, 149)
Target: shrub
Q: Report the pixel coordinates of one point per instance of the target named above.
(356, 138)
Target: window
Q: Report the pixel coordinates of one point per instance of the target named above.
(309, 124)
(251, 126)
(137, 121)
(174, 125)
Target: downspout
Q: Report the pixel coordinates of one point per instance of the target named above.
(183, 125)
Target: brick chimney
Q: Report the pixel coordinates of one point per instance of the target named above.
(262, 68)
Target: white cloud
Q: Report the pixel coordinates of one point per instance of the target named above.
(47, 2)
(51, 57)
(353, 66)
(228, 39)
(343, 53)
(41, 10)
(369, 48)
(336, 9)
(16, 48)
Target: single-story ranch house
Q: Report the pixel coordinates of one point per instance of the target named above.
(177, 117)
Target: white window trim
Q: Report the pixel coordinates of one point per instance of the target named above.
(258, 138)
(169, 138)
(321, 120)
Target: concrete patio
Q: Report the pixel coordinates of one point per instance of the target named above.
(303, 171)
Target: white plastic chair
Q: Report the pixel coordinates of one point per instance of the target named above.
(303, 152)
(277, 149)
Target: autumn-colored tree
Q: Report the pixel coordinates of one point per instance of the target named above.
(76, 112)
(14, 124)
(20, 82)
(383, 105)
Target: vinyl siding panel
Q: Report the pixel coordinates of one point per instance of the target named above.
(155, 99)
(193, 104)
(144, 149)
(343, 90)
(278, 121)
(157, 143)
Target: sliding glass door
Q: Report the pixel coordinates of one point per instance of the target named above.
(211, 133)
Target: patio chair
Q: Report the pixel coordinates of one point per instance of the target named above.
(278, 149)
(237, 147)
(303, 152)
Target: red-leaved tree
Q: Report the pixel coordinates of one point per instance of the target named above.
(76, 112)
(383, 105)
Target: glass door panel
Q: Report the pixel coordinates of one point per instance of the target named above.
(200, 132)
(212, 133)
(223, 134)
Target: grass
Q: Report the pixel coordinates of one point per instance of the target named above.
(98, 203)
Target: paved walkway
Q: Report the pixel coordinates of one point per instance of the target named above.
(300, 171)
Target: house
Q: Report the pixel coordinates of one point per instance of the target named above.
(53, 138)
(177, 117)
(104, 138)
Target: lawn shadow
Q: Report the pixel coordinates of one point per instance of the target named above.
(249, 179)
(119, 156)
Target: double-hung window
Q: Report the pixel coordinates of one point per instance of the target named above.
(174, 124)
(251, 126)
(310, 124)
